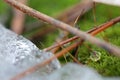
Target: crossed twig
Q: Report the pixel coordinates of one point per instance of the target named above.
(83, 35)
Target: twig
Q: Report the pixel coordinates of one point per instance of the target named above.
(18, 19)
(36, 67)
(71, 14)
(93, 31)
(66, 51)
(68, 16)
(113, 49)
(65, 34)
(61, 43)
(83, 35)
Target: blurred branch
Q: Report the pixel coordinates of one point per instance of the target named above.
(17, 24)
(71, 14)
(68, 16)
(93, 32)
(83, 35)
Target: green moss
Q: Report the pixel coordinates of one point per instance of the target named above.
(108, 65)
(3, 6)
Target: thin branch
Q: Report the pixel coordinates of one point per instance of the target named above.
(36, 67)
(18, 19)
(65, 34)
(93, 31)
(61, 43)
(68, 16)
(83, 35)
(66, 51)
(71, 14)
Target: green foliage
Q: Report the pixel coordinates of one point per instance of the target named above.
(51, 7)
(3, 6)
(108, 65)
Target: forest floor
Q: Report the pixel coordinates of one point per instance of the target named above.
(105, 64)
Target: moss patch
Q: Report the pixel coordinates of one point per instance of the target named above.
(108, 65)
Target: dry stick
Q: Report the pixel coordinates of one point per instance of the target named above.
(71, 14)
(94, 31)
(64, 51)
(65, 35)
(34, 68)
(61, 43)
(113, 49)
(59, 39)
(18, 19)
(68, 16)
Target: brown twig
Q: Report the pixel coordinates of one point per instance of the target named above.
(55, 49)
(36, 67)
(66, 51)
(93, 32)
(68, 16)
(71, 14)
(61, 43)
(83, 35)
(18, 19)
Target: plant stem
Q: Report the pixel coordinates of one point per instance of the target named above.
(83, 35)
(93, 32)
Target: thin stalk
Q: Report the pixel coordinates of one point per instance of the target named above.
(36, 67)
(83, 35)
(93, 32)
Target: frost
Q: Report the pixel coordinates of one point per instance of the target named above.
(17, 54)
(76, 72)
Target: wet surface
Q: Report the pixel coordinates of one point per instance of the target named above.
(18, 54)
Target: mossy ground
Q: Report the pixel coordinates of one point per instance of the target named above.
(107, 65)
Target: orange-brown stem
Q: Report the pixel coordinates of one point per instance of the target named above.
(64, 51)
(83, 35)
(93, 32)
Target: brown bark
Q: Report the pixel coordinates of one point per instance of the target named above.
(17, 24)
(83, 35)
